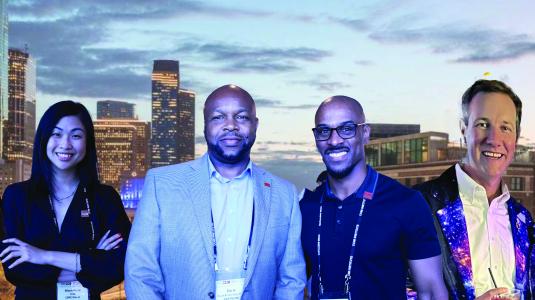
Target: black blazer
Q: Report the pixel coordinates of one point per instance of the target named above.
(28, 216)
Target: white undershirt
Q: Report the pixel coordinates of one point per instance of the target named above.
(489, 234)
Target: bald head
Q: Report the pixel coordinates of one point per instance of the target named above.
(230, 125)
(229, 91)
(344, 102)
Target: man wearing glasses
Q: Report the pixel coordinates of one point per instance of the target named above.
(360, 228)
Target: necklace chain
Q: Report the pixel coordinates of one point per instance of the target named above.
(66, 197)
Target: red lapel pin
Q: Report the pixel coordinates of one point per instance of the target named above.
(368, 195)
(267, 184)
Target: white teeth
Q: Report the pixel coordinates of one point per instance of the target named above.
(492, 154)
(337, 154)
(64, 155)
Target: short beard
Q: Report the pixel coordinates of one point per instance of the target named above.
(221, 156)
(340, 174)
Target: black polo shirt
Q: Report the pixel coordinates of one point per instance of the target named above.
(396, 226)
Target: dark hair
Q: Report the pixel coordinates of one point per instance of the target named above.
(491, 86)
(86, 169)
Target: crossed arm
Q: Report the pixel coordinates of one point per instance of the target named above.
(26, 264)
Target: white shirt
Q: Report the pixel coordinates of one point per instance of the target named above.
(232, 210)
(489, 234)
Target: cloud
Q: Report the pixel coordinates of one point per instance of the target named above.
(363, 62)
(66, 40)
(353, 24)
(123, 10)
(268, 103)
(467, 44)
(322, 84)
(237, 58)
(68, 65)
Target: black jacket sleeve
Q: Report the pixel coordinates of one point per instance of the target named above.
(100, 269)
(14, 207)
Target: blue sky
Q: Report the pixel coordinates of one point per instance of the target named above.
(405, 61)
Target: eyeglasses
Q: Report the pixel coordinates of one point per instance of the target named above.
(345, 131)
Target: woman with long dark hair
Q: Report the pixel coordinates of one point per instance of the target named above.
(65, 233)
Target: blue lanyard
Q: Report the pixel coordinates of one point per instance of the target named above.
(368, 195)
(216, 268)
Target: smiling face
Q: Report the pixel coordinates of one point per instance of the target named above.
(66, 146)
(230, 127)
(490, 136)
(342, 156)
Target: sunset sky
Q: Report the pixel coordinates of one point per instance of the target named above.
(405, 61)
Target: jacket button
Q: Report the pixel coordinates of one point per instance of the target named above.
(211, 295)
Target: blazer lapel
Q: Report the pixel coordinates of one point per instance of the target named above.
(520, 239)
(453, 225)
(261, 200)
(199, 186)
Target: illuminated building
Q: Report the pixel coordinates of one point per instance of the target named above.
(131, 191)
(110, 109)
(186, 125)
(164, 131)
(4, 59)
(121, 149)
(20, 124)
(13, 171)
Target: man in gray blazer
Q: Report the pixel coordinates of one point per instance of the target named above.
(218, 226)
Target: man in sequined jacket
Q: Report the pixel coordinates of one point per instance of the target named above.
(486, 235)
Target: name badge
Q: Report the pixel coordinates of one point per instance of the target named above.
(229, 289)
(73, 290)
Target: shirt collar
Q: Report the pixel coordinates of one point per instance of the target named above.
(366, 186)
(214, 174)
(468, 187)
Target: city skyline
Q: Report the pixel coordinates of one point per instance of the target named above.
(398, 58)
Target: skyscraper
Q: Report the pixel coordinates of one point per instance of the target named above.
(3, 71)
(110, 109)
(121, 149)
(20, 125)
(164, 137)
(186, 125)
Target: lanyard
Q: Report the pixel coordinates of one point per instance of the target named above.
(88, 214)
(368, 195)
(245, 260)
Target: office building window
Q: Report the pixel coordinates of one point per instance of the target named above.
(391, 153)
(372, 155)
(517, 183)
(416, 151)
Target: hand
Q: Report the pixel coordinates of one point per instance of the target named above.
(489, 295)
(25, 253)
(108, 243)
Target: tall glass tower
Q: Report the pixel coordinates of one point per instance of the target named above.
(20, 124)
(186, 125)
(3, 70)
(165, 114)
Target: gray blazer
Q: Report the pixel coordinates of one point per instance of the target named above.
(170, 249)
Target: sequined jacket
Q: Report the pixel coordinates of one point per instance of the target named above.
(442, 194)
